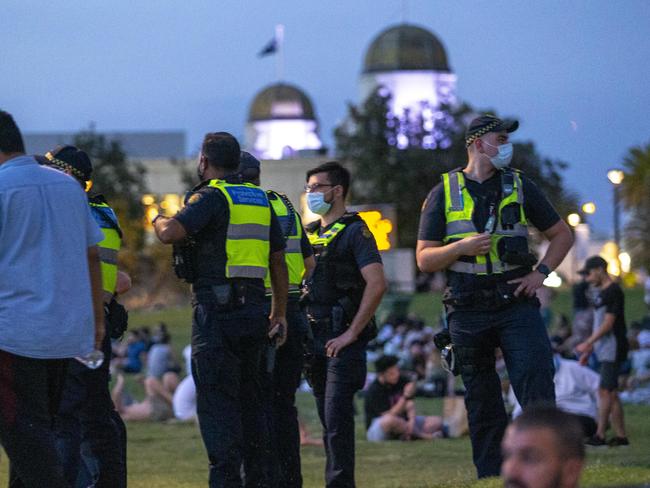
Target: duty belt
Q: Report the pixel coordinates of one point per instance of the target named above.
(479, 268)
(485, 299)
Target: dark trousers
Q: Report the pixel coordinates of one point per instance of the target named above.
(282, 415)
(29, 395)
(226, 352)
(87, 423)
(518, 330)
(335, 382)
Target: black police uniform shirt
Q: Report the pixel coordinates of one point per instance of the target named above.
(357, 240)
(205, 216)
(539, 212)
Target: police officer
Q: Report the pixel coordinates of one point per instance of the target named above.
(283, 368)
(87, 420)
(475, 225)
(342, 296)
(236, 241)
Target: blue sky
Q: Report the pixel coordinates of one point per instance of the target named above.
(577, 74)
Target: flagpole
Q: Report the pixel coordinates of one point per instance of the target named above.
(279, 39)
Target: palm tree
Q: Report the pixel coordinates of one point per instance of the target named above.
(636, 198)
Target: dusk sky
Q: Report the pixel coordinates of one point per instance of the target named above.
(576, 73)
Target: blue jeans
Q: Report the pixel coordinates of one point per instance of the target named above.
(520, 333)
(226, 352)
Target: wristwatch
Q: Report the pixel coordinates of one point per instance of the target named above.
(153, 221)
(542, 268)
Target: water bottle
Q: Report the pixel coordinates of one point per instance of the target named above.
(92, 360)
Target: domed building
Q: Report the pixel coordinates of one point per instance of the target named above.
(281, 123)
(412, 64)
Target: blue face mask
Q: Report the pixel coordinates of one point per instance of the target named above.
(503, 157)
(317, 204)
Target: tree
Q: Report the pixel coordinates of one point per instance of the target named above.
(636, 198)
(399, 159)
(116, 177)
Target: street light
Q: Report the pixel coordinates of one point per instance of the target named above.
(616, 176)
(573, 219)
(589, 208)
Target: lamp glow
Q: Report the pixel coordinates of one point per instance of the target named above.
(379, 226)
(615, 176)
(626, 262)
(573, 219)
(589, 208)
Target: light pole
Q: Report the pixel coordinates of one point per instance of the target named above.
(574, 221)
(616, 176)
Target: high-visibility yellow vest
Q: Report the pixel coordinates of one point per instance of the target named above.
(292, 230)
(324, 239)
(247, 237)
(459, 208)
(109, 246)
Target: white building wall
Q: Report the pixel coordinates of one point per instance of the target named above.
(278, 139)
(410, 89)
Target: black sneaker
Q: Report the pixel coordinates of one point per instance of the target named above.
(618, 442)
(595, 441)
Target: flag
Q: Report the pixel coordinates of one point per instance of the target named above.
(270, 48)
(275, 44)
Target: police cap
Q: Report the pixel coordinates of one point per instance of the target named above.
(70, 158)
(488, 123)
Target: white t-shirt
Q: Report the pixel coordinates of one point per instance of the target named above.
(184, 399)
(576, 389)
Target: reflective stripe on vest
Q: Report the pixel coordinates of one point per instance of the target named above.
(247, 237)
(108, 247)
(323, 240)
(459, 208)
(293, 251)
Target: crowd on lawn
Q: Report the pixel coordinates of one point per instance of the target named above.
(405, 364)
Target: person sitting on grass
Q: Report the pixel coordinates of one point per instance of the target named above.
(129, 354)
(638, 384)
(157, 404)
(390, 409)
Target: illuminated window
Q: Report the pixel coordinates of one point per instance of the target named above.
(380, 227)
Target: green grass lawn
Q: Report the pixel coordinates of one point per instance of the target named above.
(172, 455)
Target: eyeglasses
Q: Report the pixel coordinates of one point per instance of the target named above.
(315, 187)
